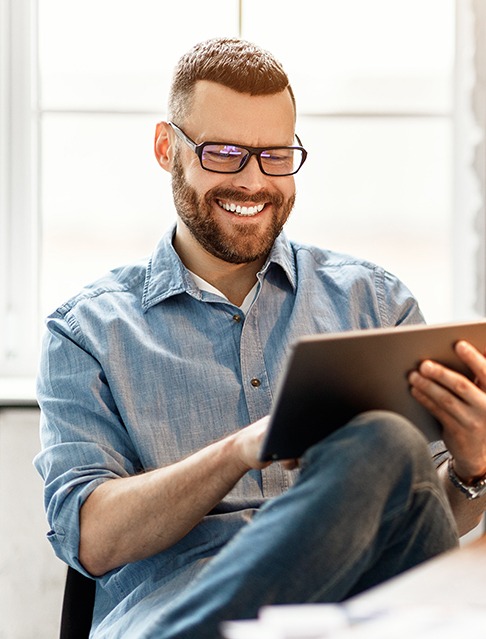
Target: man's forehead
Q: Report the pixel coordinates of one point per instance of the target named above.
(207, 90)
(217, 110)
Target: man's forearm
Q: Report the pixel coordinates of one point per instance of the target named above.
(128, 519)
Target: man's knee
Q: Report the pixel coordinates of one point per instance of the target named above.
(376, 441)
(384, 431)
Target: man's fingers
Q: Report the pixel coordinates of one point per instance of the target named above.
(475, 360)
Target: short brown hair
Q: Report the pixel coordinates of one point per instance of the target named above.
(232, 62)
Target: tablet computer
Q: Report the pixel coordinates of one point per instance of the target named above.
(331, 378)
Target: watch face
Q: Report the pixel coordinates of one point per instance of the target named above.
(472, 492)
(480, 489)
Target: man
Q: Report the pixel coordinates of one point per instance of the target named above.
(156, 381)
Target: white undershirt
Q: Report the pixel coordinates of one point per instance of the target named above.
(209, 288)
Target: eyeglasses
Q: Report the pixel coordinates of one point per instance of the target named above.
(222, 157)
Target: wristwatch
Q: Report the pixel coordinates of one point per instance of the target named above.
(472, 491)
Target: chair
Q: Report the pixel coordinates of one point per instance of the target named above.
(77, 606)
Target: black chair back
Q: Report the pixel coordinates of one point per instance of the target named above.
(77, 605)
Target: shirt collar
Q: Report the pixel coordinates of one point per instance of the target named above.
(167, 276)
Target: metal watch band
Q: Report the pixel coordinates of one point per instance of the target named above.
(472, 491)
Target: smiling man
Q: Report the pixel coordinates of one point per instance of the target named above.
(157, 380)
(230, 214)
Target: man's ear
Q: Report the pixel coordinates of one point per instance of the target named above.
(163, 145)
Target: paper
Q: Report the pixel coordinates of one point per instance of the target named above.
(326, 621)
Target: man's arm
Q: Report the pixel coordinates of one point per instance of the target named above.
(460, 405)
(129, 519)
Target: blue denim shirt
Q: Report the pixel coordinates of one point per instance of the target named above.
(143, 368)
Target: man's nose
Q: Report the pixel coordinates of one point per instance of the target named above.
(251, 177)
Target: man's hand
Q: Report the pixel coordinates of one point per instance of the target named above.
(460, 406)
(251, 440)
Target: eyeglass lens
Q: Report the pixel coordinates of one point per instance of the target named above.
(229, 158)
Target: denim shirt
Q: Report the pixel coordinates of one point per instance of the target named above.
(143, 368)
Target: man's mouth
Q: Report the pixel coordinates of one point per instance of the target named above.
(237, 209)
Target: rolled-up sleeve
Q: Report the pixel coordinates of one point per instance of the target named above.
(84, 441)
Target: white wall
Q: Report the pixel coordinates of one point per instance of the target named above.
(31, 577)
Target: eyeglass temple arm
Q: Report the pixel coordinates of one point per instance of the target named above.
(180, 134)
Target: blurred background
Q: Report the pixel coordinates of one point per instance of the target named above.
(386, 93)
(391, 108)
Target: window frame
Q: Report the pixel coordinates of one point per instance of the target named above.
(19, 227)
(469, 171)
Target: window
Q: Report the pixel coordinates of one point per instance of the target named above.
(19, 238)
(376, 113)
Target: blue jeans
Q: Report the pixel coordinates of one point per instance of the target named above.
(367, 506)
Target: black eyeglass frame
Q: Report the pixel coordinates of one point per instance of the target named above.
(252, 150)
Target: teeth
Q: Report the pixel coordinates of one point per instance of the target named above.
(241, 210)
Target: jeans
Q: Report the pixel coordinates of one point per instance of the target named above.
(367, 506)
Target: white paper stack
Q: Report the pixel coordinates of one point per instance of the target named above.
(329, 621)
(303, 621)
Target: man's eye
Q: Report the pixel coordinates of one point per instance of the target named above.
(222, 153)
(277, 155)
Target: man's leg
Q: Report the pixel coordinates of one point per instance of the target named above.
(367, 506)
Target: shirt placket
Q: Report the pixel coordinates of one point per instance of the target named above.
(258, 396)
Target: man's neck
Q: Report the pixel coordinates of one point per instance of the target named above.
(234, 281)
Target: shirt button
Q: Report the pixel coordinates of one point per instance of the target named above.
(255, 382)
(237, 318)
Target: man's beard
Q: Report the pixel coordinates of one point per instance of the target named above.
(245, 242)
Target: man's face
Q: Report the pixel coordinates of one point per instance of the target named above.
(209, 204)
